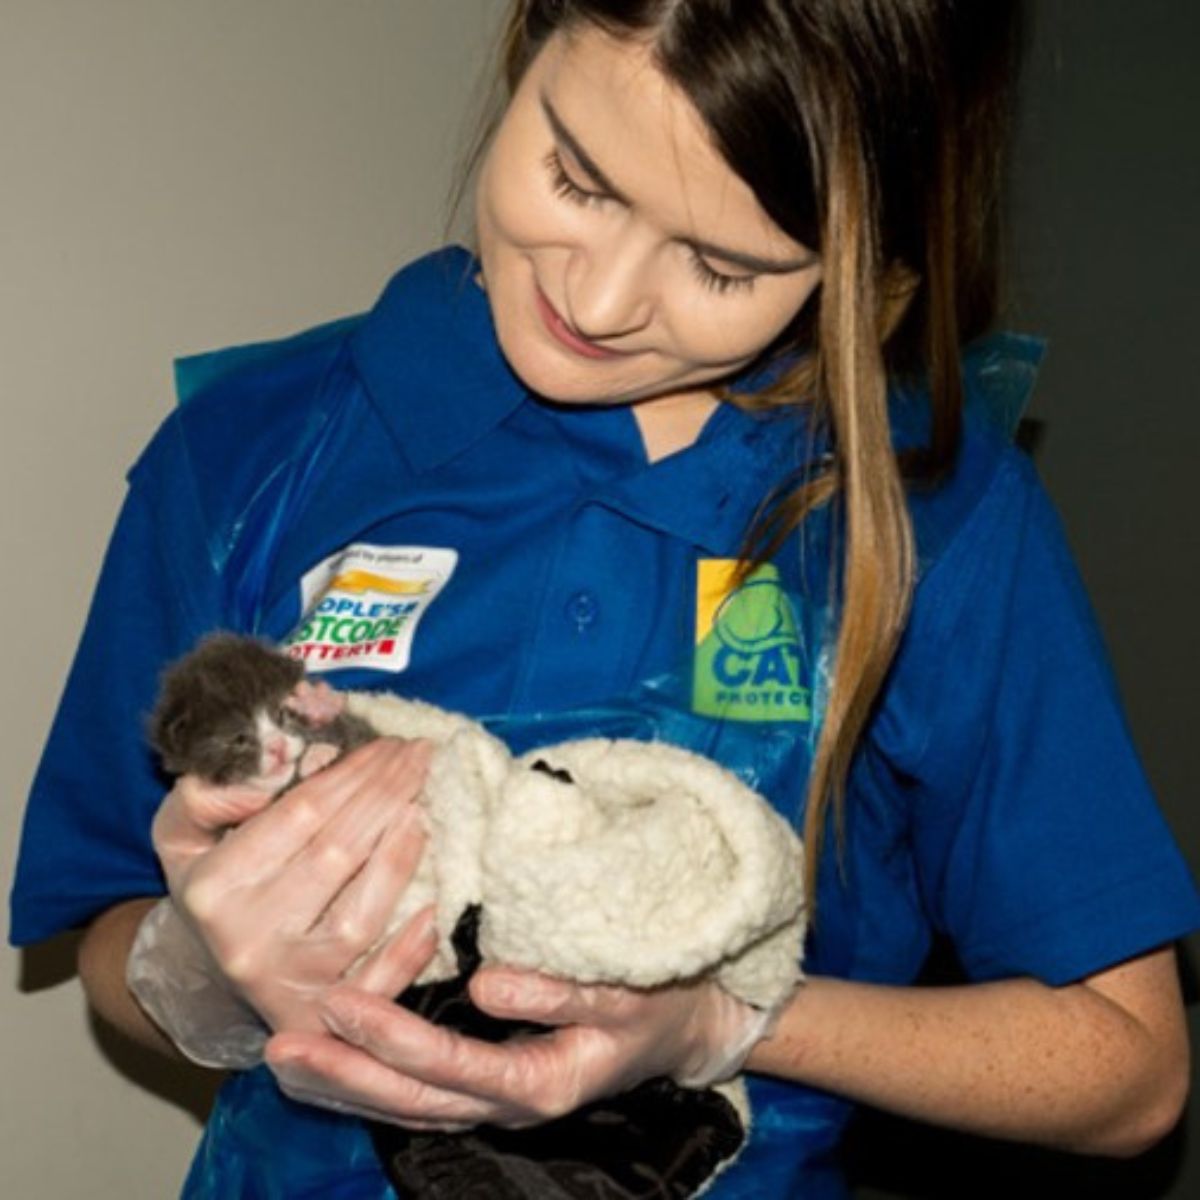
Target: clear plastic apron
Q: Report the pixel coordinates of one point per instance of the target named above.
(261, 1146)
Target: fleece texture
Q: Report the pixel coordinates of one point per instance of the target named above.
(612, 861)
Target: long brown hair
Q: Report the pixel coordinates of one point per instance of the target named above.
(872, 131)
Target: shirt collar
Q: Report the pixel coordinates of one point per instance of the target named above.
(710, 493)
(431, 336)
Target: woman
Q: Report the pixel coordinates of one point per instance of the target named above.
(689, 210)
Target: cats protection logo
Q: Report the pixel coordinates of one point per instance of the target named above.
(750, 663)
(362, 606)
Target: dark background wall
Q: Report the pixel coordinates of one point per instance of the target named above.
(1106, 265)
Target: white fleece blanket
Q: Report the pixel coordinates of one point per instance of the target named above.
(654, 864)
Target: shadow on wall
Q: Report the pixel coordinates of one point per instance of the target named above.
(188, 1087)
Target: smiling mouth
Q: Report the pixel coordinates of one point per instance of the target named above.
(565, 335)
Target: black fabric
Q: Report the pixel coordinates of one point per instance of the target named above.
(656, 1142)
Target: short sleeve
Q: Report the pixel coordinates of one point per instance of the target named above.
(1038, 846)
(85, 842)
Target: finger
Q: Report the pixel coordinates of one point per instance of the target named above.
(316, 758)
(381, 771)
(301, 853)
(336, 817)
(366, 906)
(195, 813)
(386, 774)
(383, 809)
(282, 828)
(326, 1071)
(530, 996)
(531, 1074)
(401, 959)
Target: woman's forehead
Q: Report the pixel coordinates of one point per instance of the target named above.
(648, 140)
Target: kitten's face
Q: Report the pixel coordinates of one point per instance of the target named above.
(229, 745)
(221, 747)
(259, 747)
(280, 741)
(221, 714)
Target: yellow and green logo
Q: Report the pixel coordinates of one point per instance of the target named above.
(750, 663)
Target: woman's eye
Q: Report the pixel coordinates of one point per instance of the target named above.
(716, 281)
(566, 187)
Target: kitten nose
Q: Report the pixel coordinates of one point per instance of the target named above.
(276, 751)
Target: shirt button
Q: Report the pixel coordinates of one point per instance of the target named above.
(582, 610)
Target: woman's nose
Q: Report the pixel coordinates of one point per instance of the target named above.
(609, 289)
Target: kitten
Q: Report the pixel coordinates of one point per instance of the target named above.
(235, 710)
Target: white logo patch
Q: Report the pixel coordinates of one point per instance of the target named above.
(362, 606)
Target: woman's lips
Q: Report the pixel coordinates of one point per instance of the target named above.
(563, 333)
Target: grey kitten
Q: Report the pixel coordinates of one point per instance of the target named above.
(234, 710)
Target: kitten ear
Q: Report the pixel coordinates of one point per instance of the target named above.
(292, 670)
(169, 734)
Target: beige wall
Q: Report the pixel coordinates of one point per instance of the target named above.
(173, 176)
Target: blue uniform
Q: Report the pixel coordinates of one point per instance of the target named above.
(384, 496)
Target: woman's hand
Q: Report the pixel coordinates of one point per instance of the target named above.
(390, 1065)
(289, 897)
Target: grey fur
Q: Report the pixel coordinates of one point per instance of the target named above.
(206, 720)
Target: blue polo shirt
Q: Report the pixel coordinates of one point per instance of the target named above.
(386, 498)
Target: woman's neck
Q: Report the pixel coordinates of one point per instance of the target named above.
(671, 423)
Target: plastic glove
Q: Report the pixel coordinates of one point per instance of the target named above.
(181, 988)
(285, 900)
(389, 1065)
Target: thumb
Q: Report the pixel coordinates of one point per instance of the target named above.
(195, 814)
(530, 996)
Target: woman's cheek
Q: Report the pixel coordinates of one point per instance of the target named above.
(717, 330)
(520, 211)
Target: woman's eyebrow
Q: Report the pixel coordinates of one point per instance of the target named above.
(752, 262)
(585, 160)
(749, 262)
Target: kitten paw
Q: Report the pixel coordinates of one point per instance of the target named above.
(316, 758)
(315, 703)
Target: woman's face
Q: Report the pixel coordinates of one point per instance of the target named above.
(623, 258)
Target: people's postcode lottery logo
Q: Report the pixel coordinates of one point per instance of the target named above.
(363, 605)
